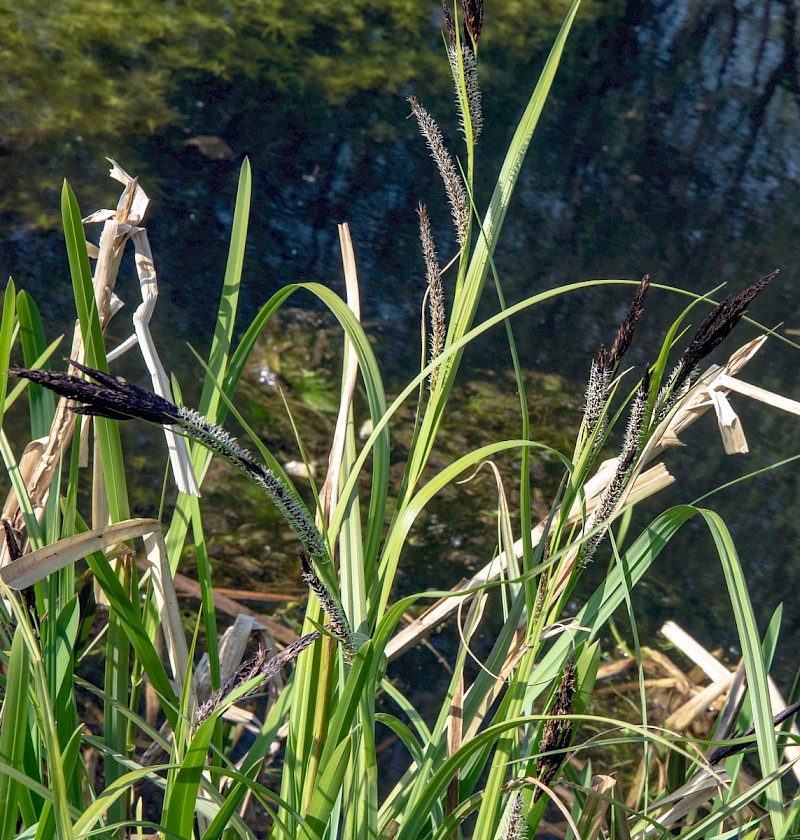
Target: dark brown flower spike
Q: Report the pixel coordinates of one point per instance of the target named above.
(717, 326)
(449, 23)
(625, 333)
(114, 397)
(557, 732)
(256, 666)
(117, 399)
(473, 18)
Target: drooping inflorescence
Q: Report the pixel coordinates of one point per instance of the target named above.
(117, 399)
(337, 622)
(257, 667)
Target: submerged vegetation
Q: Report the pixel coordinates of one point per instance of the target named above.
(201, 738)
(144, 71)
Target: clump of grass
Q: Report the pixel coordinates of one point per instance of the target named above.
(506, 732)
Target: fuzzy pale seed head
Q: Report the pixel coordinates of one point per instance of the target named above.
(596, 395)
(454, 186)
(636, 418)
(515, 827)
(474, 105)
(436, 303)
(297, 515)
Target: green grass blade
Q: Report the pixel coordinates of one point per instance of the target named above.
(13, 729)
(180, 802)
(7, 325)
(134, 628)
(34, 345)
(229, 300)
(326, 792)
(94, 351)
(750, 642)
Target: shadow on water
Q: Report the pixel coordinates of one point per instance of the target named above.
(670, 146)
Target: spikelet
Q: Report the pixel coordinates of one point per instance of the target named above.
(606, 363)
(596, 396)
(515, 827)
(114, 397)
(454, 186)
(472, 13)
(471, 87)
(472, 10)
(257, 666)
(295, 512)
(435, 291)
(449, 22)
(338, 625)
(544, 580)
(628, 326)
(630, 447)
(557, 732)
(710, 334)
(636, 418)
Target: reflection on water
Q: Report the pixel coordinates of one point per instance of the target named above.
(670, 146)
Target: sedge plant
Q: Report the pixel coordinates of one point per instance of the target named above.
(507, 738)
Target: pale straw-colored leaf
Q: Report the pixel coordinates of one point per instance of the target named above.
(691, 648)
(37, 565)
(684, 715)
(120, 226)
(593, 815)
(719, 673)
(330, 488)
(760, 394)
(701, 788)
(729, 424)
(167, 602)
(646, 484)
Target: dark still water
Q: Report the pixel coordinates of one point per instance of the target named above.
(670, 145)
